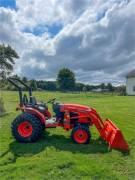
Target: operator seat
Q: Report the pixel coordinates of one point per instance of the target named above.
(56, 108)
(41, 107)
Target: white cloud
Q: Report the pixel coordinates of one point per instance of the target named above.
(97, 40)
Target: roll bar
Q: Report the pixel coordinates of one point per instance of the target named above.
(15, 81)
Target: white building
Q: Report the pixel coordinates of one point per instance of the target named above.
(130, 83)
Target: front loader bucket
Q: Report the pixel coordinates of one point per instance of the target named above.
(113, 135)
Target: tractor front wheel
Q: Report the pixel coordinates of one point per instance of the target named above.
(81, 135)
(26, 128)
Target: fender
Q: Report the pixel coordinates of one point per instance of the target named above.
(36, 113)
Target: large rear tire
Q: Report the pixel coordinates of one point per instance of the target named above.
(81, 134)
(26, 128)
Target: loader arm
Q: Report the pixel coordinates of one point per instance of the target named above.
(109, 132)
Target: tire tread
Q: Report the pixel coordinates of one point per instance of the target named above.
(37, 128)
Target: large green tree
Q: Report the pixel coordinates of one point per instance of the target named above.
(24, 79)
(110, 87)
(102, 85)
(66, 79)
(33, 84)
(7, 57)
(7, 60)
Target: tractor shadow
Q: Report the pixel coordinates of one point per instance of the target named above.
(58, 143)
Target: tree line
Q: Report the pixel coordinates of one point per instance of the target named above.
(41, 85)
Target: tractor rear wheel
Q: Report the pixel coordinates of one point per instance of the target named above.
(26, 128)
(81, 134)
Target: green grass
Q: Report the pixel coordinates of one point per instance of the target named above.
(55, 156)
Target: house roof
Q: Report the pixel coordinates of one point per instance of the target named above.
(131, 74)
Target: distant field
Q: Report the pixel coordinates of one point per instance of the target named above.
(55, 156)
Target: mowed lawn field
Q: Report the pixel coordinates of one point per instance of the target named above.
(55, 156)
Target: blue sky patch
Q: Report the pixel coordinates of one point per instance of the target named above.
(54, 29)
(8, 4)
(41, 29)
(37, 31)
(101, 14)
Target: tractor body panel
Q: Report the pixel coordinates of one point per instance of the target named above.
(78, 113)
(74, 107)
(36, 113)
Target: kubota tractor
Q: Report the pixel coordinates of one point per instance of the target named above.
(35, 118)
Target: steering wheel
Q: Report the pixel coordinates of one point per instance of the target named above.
(51, 100)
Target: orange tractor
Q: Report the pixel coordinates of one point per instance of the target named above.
(35, 118)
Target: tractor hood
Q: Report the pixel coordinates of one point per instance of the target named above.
(74, 107)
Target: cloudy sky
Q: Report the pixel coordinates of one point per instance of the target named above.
(94, 38)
